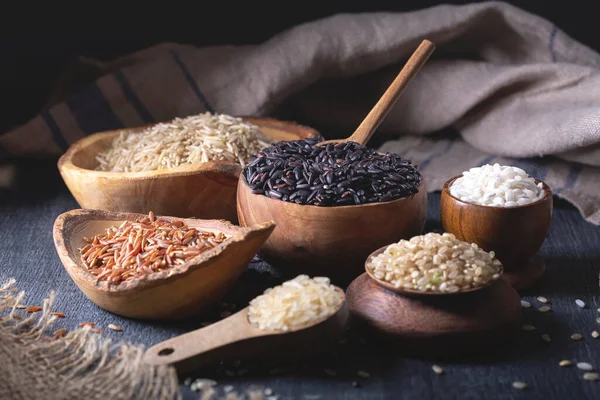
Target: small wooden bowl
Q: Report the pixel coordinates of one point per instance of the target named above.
(330, 241)
(205, 190)
(413, 292)
(515, 234)
(179, 292)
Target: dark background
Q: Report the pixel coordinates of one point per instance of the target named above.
(30, 64)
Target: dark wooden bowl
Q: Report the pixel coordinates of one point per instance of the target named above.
(515, 234)
(330, 241)
(450, 326)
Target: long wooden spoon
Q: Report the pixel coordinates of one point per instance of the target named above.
(235, 337)
(365, 130)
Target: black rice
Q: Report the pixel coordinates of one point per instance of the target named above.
(337, 174)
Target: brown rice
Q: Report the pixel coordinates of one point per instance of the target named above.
(138, 248)
(194, 139)
(435, 263)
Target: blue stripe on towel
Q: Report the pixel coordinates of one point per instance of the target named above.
(551, 42)
(54, 130)
(487, 160)
(132, 97)
(429, 159)
(574, 172)
(190, 79)
(537, 169)
(92, 111)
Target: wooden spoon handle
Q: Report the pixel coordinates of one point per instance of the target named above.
(180, 348)
(365, 130)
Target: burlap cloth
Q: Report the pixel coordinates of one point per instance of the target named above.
(517, 89)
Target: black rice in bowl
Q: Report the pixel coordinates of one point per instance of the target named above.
(338, 174)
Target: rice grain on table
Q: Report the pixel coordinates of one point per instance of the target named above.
(436, 263)
(497, 185)
(182, 141)
(295, 303)
(135, 249)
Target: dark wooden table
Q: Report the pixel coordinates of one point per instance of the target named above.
(571, 251)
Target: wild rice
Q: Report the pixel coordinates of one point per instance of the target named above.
(190, 140)
(295, 303)
(57, 314)
(339, 174)
(435, 263)
(139, 248)
(33, 309)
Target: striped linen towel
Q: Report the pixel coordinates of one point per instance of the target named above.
(517, 89)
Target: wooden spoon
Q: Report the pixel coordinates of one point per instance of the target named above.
(365, 130)
(414, 292)
(234, 336)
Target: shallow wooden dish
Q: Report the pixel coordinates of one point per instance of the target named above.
(515, 234)
(330, 241)
(172, 294)
(204, 190)
(445, 326)
(413, 292)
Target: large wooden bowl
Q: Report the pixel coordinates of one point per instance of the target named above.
(205, 190)
(330, 241)
(179, 292)
(515, 234)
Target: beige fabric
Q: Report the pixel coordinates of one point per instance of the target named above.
(510, 82)
(80, 365)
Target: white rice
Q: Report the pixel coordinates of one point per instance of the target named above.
(182, 141)
(295, 303)
(497, 185)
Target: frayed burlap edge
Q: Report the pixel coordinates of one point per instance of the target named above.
(80, 365)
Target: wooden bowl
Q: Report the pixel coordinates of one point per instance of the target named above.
(205, 190)
(179, 292)
(515, 234)
(330, 241)
(413, 292)
(450, 326)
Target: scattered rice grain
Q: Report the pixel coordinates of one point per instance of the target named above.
(542, 299)
(57, 314)
(90, 324)
(595, 334)
(576, 336)
(114, 327)
(546, 338)
(525, 304)
(585, 366)
(565, 363)
(591, 376)
(437, 369)
(580, 303)
(519, 385)
(528, 328)
(363, 374)
(268, 392)
(544, 309)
